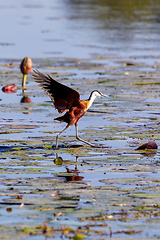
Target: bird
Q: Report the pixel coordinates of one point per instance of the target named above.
(66, 99)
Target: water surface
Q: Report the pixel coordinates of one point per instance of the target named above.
(98, 192)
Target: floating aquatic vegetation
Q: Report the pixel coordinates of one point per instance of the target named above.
(79, 190)
(10, 88)
(148, 145)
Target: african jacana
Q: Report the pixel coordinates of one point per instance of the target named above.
(25, 66)
(66, 99)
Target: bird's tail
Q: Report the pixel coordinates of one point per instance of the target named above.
(59, 119)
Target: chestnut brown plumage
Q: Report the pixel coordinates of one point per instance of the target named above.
(66, 99)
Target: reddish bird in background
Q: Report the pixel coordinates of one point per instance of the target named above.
(66, 99)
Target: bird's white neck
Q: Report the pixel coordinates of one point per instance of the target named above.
(91, 99)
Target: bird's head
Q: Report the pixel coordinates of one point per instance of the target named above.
(93, 95)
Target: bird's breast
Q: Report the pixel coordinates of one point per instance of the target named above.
(87, 104)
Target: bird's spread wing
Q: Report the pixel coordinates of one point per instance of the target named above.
(62, 96)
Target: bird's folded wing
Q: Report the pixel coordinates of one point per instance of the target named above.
(62, 96)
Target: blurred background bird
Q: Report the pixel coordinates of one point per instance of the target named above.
(66, 99)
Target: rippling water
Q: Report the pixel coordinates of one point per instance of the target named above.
(112, 46)
(69, 28)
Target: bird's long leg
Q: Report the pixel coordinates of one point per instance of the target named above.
(59, 135)
(80, 139)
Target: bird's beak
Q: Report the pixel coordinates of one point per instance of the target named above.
(104, 95)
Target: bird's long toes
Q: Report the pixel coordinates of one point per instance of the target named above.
(93, 145)
(99, 146)
(54, 147)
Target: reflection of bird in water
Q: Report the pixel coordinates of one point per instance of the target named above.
(75, 172)
(73, 178)
(66, 99)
